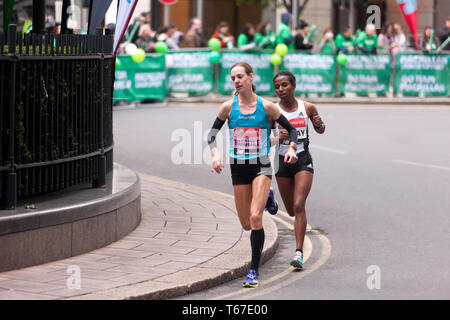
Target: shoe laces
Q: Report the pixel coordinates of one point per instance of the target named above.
(252, 274)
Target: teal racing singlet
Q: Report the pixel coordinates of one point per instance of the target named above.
(249, 133)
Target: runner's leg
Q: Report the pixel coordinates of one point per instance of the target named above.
(303, 183)
(242, 199)
(286, 188)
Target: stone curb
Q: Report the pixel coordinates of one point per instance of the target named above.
(226, 266)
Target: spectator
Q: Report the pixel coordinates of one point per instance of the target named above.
(246, 40)
(194, 37)
(444, 33)
(367, 41)
(165, 34)
(386, 38)
(345, 42)
(177, 36)
(284, 34)
(146, 38)
(300, 39)
(326, 43)
(399, 39)
(428, 43)
(222, 33)
(264, 36)
(134, 30)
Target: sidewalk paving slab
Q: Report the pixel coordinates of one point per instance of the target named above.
(180, 247)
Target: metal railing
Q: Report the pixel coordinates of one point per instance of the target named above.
(55, 112)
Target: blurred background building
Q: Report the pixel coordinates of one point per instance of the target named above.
(337, 14)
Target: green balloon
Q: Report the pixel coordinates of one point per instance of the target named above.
(117, 63)
(161, 47)
(281, 49)
(138, 56)
(275, 59)
(341, 59)
(214, 44)
(214, 57)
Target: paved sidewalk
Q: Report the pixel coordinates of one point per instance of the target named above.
(189, 239)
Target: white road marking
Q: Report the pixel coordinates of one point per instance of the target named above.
(308, 246)
(424, 165)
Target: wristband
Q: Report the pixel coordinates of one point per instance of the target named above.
(293, 145)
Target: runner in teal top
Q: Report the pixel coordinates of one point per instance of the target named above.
(250, 118)
(249, 133)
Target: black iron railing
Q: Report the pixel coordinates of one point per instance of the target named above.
(55, 112)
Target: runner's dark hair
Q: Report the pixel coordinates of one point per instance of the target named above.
(288, 74)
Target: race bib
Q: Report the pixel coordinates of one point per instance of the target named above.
(247, 141)
(300, 125)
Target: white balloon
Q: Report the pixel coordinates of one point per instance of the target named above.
(169, 60)
(130, 49)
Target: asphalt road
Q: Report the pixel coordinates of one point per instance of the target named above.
(380, 197)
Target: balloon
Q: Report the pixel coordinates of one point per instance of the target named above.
(169, 61)
(138, 56)
(281, 49)
(214, 57)
(161, 47)
(130, 49)
(341, 59)
(117, 63)
(275, 59)
(214, 44)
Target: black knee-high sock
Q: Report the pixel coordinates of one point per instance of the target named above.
(257, 243)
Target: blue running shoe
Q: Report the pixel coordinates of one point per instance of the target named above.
(297, 260)
(252, 279)
(272, 204)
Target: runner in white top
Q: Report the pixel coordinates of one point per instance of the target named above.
(299, 119)
(295, 180)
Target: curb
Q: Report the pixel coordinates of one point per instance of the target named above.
(226, 266)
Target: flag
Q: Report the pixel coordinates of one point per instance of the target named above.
(124, 13)
(7, 10)
(409, 11)
(97, 13)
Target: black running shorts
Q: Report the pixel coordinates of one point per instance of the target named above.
(245, 171)
(304, 163)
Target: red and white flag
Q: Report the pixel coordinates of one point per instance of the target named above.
(124, 13)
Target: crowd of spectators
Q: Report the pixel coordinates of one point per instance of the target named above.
(390, 39)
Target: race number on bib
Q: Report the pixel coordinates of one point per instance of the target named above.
(247, 141)
(300, 125)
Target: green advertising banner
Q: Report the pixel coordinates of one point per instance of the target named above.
(314, 73)
(140, 81)
(189, 72)
(262, 68)
(422, 74)
(364, 74)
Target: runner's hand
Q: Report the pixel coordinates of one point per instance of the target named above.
(317, 120)
(284, 135)
(217, 164)
(290, 157)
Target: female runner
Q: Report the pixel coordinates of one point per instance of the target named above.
(249, 120)
(295, 180)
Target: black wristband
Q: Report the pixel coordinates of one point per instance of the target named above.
(218, 123)
(289, 127)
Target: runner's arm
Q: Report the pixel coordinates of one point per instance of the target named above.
(273, 112)
(224, 112)
(316, 119)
